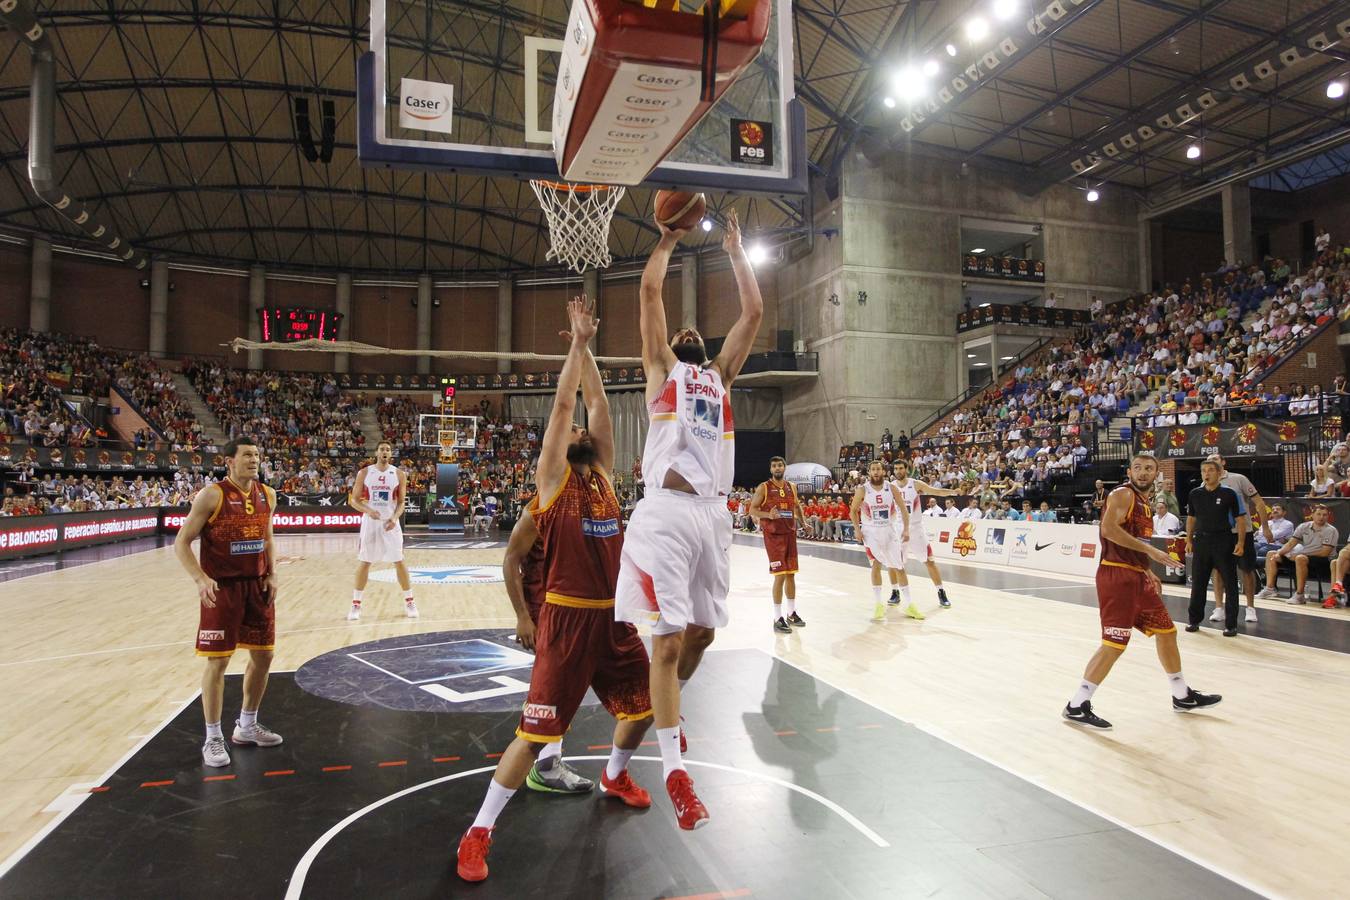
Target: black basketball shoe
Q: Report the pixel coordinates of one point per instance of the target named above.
(781, 626)
(1195, 700)
(942, 599)
(895, 597)
(1083, 715)
(797, 620)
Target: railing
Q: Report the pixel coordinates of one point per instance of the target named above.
(970, 393)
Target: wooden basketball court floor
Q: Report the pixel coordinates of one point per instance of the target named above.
(848, 759)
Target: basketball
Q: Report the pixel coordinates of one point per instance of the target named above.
(679, 209)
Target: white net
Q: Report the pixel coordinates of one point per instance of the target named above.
(578, 221)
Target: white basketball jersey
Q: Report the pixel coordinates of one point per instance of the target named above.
(910, 494)
(691, 432)
(878, 506)
(381, 488)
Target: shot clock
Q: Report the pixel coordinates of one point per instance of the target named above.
(286, 324)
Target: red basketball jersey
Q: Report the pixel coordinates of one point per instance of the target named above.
(233, 539)
(781, 500)
(581, 529)
(1138, 523)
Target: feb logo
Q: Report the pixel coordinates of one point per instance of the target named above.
(1211, 436)
(752, 135)
(1148, 440)
(1288, 431)
(1247, 433)
(1177, 437)
(964, 542)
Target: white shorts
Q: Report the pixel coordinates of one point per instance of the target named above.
(676, 564)
(918, 546)
(378, 545)
(882, 543)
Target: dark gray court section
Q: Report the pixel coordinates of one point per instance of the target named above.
(956, 826)
(1322, 632)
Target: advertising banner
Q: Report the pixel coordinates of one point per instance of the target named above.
(1021, 314)
(623, 375)
(35, 535)
(1048, 546)
(446, 514)
(288, 520)
(1256, 437)
(90, 459)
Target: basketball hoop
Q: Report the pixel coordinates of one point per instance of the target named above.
(578, 221)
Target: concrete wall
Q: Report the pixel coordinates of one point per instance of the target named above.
(893, 360)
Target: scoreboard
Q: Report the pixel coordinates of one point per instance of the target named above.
(284, 324)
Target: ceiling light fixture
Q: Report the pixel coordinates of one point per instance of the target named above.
(951, 49)
(977, 250)
(1005, 9)
(1336, 90)
(706, 224)
(977, 29)
(757, 254)
(888, 102)
(1193, 151)
(1093, 196)
(931, 68)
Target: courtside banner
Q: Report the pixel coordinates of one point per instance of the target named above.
(36, 535)
(1047, 546)
(288, 519)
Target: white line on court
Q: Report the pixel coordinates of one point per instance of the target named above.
(297, 880)
(69, 808)
(1033, 780)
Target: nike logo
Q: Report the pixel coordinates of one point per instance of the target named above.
(1043, 546)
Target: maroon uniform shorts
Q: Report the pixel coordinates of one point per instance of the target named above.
(243, 616)
(1129, 600)
(578, 648)
(782, 549)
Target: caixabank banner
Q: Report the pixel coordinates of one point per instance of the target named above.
(1257, 437)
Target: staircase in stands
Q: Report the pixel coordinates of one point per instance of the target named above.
(211, 428)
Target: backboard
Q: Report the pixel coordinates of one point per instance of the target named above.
(432, 95)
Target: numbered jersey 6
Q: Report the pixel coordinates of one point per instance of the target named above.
(878, 506)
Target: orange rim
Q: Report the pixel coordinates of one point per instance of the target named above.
(576, 188)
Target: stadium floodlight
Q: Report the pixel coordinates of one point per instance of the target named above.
(1005, 9)
(931, 68)
(951, 49)
(977, 29)
(1193, 151)
(1336, 90)
(888, 102)
(1092, 195)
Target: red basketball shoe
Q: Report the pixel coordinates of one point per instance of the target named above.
(689, 810)
(473, 851)
(626, 789)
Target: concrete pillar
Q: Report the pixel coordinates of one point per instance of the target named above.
(994, 360)
(591, 285)
(342, 361)
(257, 299)
(1237, 223)
(689, 274)
(159, 308)
(40, 294)
(424, 322)
(962, 369)
(505, 294)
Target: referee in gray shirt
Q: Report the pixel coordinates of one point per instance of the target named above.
(1212, 511)
(1257, 513)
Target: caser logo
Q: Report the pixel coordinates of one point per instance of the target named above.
(426, 105)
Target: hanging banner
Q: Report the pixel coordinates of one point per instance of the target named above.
(91, 459)
(1257, 437)
(363, 381)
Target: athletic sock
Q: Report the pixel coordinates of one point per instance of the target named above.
(1180, 689)
(876, 592)
(213, 730)
(618, 760)
(669, 739)
(493, 804)
(247, 717)
(408, 596)
(777, 611)
(791, 604)
(904, 592)
(1085, 691)
(551, 750)
(356, 596)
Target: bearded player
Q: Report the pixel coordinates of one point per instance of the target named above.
(523, 572)
(378, 492)
(877, 506)
(917, 547)
(676, 556)
(779, 512)
(237, 589)
(578, 644)
(1130, 596)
